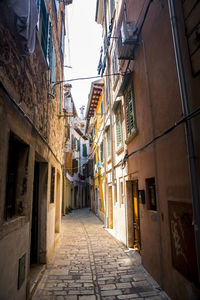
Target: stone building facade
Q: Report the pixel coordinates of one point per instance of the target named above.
(31, 138)
(150, 56)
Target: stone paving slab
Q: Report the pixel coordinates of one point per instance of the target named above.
(90, 264)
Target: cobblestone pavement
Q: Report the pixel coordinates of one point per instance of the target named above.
(90, 264)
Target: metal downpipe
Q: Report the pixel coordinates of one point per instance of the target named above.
(188, 127)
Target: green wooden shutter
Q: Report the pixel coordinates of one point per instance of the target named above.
(84, 150)
(78, 145)
(118, 126)
(130, 113)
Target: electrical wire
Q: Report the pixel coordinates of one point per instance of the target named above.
(86, 78)
(186, 118)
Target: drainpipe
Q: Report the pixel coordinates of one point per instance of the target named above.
(110, 111)
(188, 127)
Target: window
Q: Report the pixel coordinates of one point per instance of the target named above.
(84, 150)
(16, 184)
(52, 184)
(119, 138)
(130, 110)
(101, 151)
(108, 143)
(62, 39)
(151, 194)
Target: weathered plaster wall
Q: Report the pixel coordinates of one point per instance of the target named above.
(12, 248)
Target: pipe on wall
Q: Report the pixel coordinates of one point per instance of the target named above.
(188, 127)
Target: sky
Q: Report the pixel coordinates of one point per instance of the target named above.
(84, 48)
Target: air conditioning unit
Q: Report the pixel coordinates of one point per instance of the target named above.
(127, 40)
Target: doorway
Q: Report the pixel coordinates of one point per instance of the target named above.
(34, 227)
(58, 205)
(110, 208)
(136, 217)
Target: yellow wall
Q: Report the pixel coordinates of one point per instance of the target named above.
(99, 179)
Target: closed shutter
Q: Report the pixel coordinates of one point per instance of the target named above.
(84, 150)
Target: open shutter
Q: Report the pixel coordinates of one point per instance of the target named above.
(118, 127)
(130, 114)
(84, 150)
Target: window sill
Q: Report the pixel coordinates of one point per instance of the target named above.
(131, 137)
(12, 225)
(120, 149)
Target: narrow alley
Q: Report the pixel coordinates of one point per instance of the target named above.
(94, 266)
